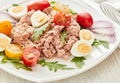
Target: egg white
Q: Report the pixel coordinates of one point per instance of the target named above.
(38, 18)
(74, 50)
(88, 31)
(18, 15)
(4, 36)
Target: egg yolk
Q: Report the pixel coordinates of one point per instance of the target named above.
(17, 9)
(84, 48)
(86, 35)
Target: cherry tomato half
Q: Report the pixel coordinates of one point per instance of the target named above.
(62, 19)
(13, 51)
(85, 19)
(38, 5)
(30, 56)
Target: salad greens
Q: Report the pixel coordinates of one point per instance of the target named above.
(5, 60)
(20, 65)
(53, 66)
(15, 4)
(39, 31)
(96, 43)
(2, 54)
(16, 62)
(73, 12)
(63, 36)
(52, 2)
(78, 61)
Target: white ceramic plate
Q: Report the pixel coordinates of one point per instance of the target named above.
(40, 74)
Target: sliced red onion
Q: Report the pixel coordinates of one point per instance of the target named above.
(110, 39)
(102, 24)
(103, 30)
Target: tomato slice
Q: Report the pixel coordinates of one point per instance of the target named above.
(85, 19)
(62, 19)
(38, 5)
(30, 56)
(13, 51)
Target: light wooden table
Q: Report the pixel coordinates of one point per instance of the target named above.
(106, 72)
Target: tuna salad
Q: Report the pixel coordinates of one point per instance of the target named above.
(43, 30)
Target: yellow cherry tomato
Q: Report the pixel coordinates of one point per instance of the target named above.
(5, 27)
(13, 51)
(61, 7)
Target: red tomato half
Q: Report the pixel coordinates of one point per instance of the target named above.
(38, 5)
(30, 56)
(85, 19)
(62, 19)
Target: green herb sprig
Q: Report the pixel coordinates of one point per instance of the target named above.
(96, 43)
(52, 2)
(72, 12)
(16, 62)
(78, 61)
(63, 36)
(15, 4)
(53, 66)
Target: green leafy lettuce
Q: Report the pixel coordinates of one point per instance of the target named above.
(39, 31)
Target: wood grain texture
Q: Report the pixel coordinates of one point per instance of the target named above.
(106, 72)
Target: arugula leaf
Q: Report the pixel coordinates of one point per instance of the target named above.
(72, 12)
(4, 60)
(53, 66)
(105, 44)
(39, 31)
(20, 65)
(63, 36)
(15, 4)
(79, 61)
(2, 53)
(96, 43)
(16, 62)
(52, 2)
(6, 10)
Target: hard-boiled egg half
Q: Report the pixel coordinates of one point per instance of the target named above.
(4, 40)
(86, 35)
(81, 48)
(38, 18)
(17, 11)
